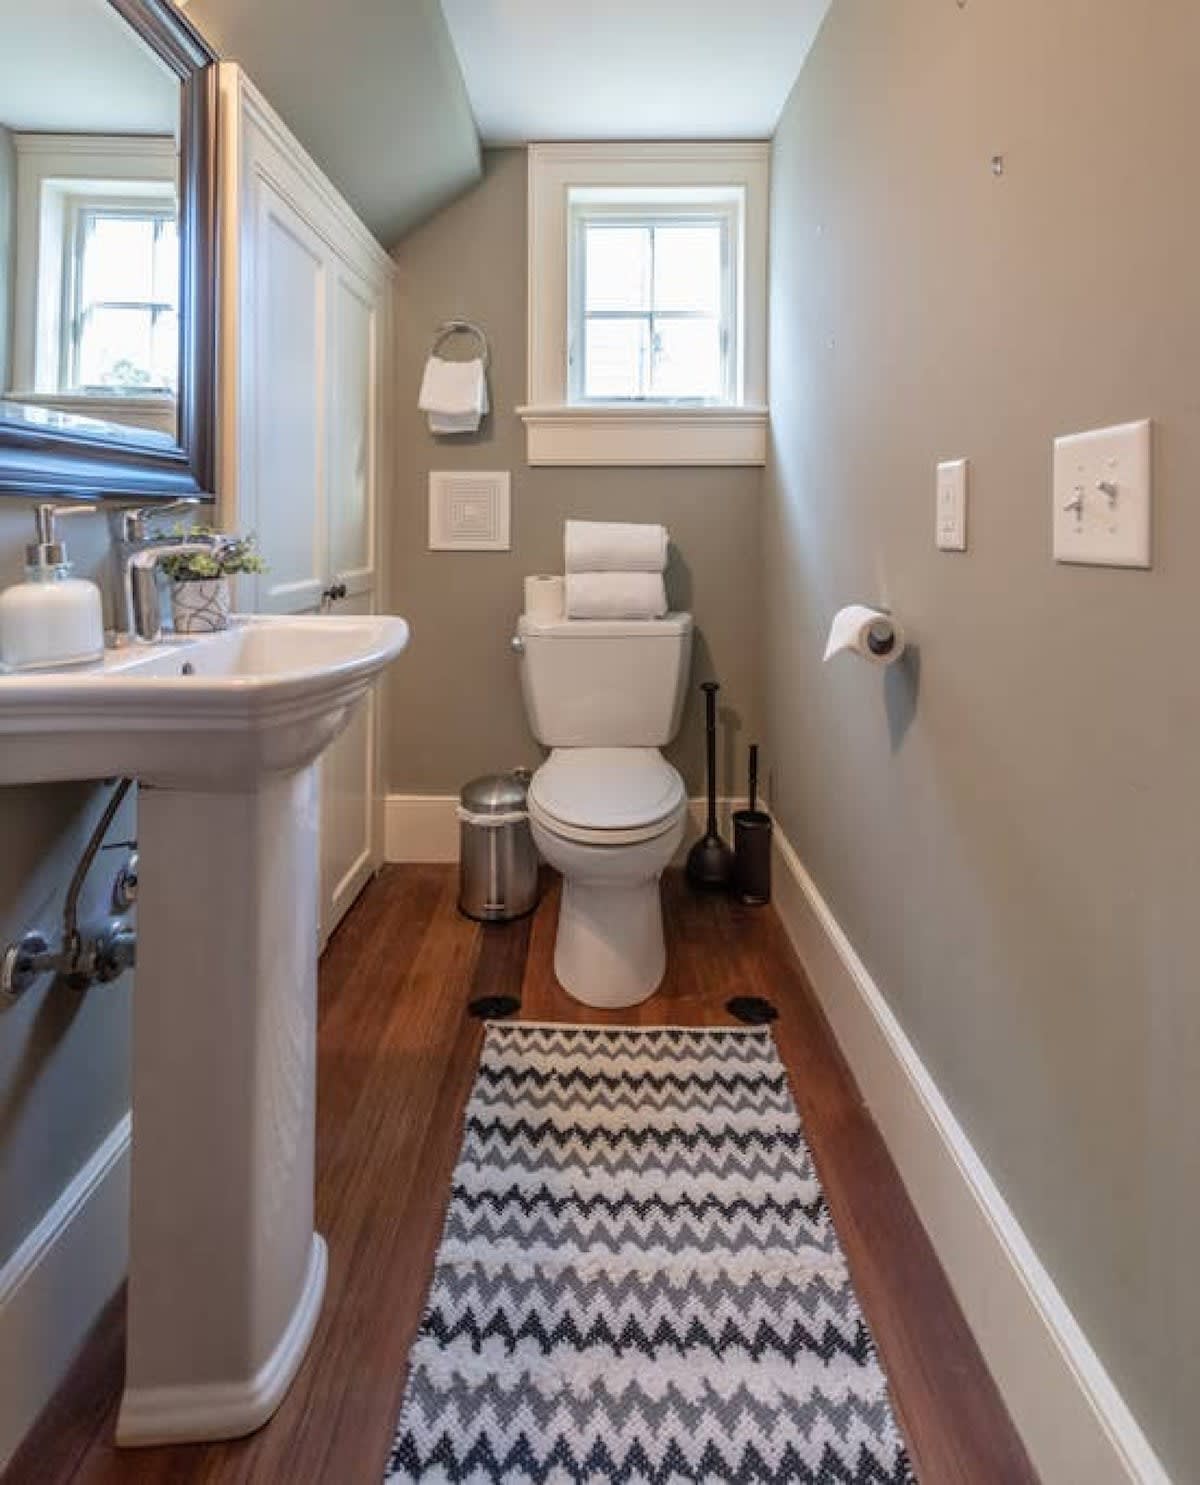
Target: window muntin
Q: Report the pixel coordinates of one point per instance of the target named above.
(653, 303)
(121, 299)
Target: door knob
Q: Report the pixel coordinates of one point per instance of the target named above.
(330, 595)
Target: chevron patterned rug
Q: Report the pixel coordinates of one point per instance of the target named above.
(638, 1279)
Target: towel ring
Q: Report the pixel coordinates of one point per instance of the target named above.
(461, 327)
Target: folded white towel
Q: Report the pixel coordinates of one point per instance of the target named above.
(454, 394)
(615, 546)
(616, 595)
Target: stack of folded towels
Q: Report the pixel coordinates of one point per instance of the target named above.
(615, 570)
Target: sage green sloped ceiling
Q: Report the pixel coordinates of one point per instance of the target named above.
(371, 88)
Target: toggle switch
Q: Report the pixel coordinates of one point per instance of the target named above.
(951, 529)
(1102, 496)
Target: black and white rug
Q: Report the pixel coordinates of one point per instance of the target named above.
(638, 1278)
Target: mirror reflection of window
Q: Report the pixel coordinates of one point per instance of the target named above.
(123, 318)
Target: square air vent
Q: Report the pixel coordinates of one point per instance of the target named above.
(469, 510)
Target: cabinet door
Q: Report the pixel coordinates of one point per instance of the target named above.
(356, 342)
(285, 397)
(351, 802)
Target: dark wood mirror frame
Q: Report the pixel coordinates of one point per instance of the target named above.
(41, 457)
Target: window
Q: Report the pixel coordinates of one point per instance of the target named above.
(121, 299)
(96, 273)
(647, 304)
(653, 304)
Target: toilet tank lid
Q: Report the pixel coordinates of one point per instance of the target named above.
(670, 626)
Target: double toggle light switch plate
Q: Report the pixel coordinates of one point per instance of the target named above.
(1102, 492)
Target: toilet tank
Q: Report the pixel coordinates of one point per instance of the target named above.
(605, 683)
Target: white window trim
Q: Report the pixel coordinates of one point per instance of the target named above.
(51, 169)
(654, 433)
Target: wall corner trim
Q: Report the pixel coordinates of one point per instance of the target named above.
(55, 1284)
(1073, 1421)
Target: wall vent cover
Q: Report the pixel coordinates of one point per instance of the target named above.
(469, 511)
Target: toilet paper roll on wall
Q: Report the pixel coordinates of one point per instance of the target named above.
(545, 598)
(869, 632)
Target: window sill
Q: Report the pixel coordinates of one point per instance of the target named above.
(616, 434)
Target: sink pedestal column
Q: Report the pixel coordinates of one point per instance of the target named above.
(226, 1273)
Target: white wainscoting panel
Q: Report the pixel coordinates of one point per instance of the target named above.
(54, 1286)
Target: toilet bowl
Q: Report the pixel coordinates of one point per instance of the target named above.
(610, 820)
(606, 808)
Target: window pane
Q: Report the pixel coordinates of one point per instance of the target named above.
(618, 267)
(115, 350)
(164, 349)
(118, 259)
(687, 268)
(616, 363)
(166, 263)
(687, 359)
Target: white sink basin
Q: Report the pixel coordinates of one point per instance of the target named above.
(211, 712)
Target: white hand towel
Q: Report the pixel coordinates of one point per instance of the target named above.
(615, 546)
(454, 395)
(616, 595)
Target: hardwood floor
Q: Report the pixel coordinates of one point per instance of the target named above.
(397, 1053)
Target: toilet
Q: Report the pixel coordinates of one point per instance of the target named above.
(606, 808)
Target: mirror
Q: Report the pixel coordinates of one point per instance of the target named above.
(107, 117)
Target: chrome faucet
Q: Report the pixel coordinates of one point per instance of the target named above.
(138, 553)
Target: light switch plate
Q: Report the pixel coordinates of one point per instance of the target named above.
(470, 510)
(1102, 496)
(951, 531)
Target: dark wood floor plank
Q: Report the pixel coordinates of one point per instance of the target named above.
(397, 1057)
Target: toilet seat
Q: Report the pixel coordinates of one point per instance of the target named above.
(607, 796)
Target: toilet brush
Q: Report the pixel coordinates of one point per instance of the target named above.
(710, 861)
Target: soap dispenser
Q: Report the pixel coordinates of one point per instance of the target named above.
(51, 619)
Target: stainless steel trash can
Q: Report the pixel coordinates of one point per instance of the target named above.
(498, 868)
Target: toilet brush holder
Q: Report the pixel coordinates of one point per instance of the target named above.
(752, 831)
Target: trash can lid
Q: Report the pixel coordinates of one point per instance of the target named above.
(497, 793)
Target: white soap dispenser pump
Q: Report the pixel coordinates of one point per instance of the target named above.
(51, 619)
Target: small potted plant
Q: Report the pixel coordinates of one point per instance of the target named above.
(200, 582)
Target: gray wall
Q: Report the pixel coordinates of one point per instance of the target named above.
(374, 93)
(8, 249)
(1007, 830)
(64, 1058)
(455, 701)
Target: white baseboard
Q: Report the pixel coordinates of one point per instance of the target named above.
(54, 1286)
(1071, 1417)
(227, 1410)
(424, 827)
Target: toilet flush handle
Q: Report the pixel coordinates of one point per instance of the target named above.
(518, 644)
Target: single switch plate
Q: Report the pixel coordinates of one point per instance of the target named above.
(1102, 496)
(951, 530)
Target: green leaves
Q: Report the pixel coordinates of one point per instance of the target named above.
(238, 554)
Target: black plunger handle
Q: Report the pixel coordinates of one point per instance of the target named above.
(753, 776)
(710, 689)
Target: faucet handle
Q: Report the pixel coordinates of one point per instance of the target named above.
(133, 522)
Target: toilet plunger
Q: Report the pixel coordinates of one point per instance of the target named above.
(710, 861)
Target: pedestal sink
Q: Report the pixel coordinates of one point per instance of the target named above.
(223, 733)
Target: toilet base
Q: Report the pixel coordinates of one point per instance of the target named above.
(610, 950)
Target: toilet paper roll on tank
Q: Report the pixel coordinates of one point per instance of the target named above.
(871, 633)
(545, 598)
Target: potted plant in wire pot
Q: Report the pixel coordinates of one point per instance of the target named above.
(200, 594)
